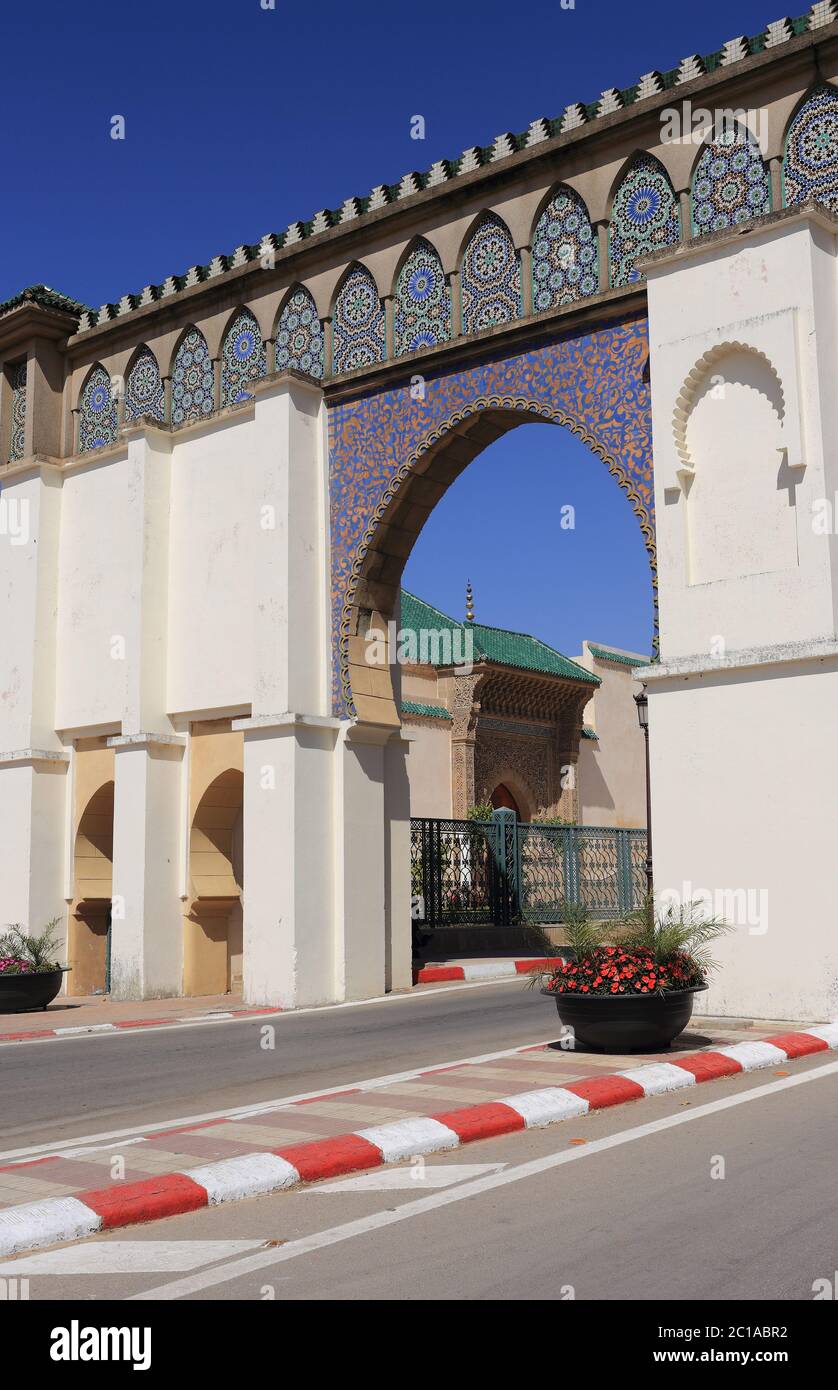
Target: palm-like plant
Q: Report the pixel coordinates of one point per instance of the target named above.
(584, 937)
(39, 951)
(682, 930)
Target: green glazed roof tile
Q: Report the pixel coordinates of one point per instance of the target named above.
(47, 298)
(497, 644)
(426, 711)
(605, 654)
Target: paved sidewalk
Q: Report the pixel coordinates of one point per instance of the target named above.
(96, 1013)
(268, 1127)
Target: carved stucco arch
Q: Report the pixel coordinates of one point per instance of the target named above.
(592, 384)
(697, 378)
(508, 776)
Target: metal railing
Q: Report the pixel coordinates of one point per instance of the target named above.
(501, 872)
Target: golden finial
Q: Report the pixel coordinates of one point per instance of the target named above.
(469, 603)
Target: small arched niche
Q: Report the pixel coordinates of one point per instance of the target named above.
(740, 492)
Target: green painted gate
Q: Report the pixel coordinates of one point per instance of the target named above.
(502, 872)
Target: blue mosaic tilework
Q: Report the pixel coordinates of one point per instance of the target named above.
(17, 381)
(243, 358)
(731, 183)
(299, 335)
(490, 277)
(97, 421)
(644, 217)
(422, 302)
(810, 166)
(358, 326)
(565, 254)
(144, 391)
(192, 379)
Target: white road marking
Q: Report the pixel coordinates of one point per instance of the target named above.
(321, 1240)
(415, 1178)
(113, 1030)
(130, 1257)
(85, 1142)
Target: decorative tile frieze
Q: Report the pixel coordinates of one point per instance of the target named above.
(538, 131)
(649, 85)
(734, 51)
(609, 101)
(690, 68)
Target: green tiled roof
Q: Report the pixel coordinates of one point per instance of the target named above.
(426, 711)
(418, 615)
(43, 295)
(605, 654)
(497, 644)
(588, 732)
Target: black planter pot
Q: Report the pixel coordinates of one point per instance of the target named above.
(33, 991)
(626, 1022)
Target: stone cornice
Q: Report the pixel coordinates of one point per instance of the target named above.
(54, 758)
(29, 320)
(698, 665)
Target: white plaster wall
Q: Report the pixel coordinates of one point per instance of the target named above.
(744, 778)
(97, 590)
(741, 705)
(289, 901)
(31, 511)
(214, 527)
(360, 867)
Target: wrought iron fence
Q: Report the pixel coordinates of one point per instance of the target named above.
(498, 872)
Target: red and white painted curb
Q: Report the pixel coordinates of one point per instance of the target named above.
(484, 970)
(126, 1024)
(251, 1175)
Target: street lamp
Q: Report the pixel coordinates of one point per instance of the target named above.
(642, 702)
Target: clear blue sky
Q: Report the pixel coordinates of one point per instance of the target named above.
(240, 120)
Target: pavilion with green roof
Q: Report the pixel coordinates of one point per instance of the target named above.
(500, 717)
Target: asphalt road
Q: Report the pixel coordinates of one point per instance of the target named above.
(62, 1089)
(728, 1194)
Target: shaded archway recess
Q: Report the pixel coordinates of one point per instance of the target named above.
(394, 453)
(503, 799)
(212, 923)
(90, 916)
